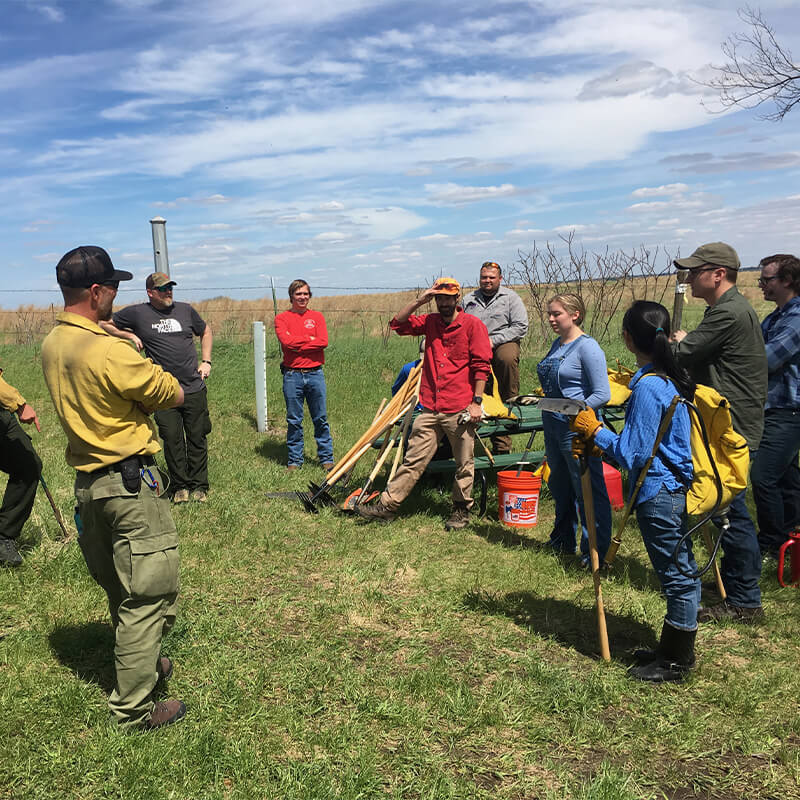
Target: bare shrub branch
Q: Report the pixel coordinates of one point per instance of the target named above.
(607, 281)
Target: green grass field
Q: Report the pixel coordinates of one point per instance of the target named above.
(322, 658)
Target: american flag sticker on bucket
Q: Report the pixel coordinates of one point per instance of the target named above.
(520, 508)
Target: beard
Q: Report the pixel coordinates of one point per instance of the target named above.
(104, 308)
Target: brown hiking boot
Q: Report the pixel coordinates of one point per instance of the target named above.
(293, 468)
(181, 496)
(328, 466)
(727, 611)
(376, 512)
(199, 496)
(458, 519)
(165, 713)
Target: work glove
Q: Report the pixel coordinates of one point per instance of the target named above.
(581, 446)
(522, 400)
(585, 424)
(464, 417)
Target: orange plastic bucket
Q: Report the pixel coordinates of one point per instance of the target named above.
(518, 498)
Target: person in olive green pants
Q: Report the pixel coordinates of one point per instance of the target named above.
(19, 460)
(103, 392)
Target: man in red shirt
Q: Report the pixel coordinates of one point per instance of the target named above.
(304, 337)
(457, 361)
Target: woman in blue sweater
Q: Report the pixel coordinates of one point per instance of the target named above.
(574, 367)
(661, 501)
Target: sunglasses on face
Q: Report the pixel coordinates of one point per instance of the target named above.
(764, 281)
(697, 270)
(163, 289)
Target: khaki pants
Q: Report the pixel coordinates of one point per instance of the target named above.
(428, 429)
(130, 545)
(505, 364)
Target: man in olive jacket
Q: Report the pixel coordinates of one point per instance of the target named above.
(726, 351)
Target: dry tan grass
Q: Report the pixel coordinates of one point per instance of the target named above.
(366, 315)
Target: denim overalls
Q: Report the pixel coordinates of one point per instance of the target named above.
(565, 476)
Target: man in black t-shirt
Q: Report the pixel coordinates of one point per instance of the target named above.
(165, 330)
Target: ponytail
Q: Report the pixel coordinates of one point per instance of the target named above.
(648, 325)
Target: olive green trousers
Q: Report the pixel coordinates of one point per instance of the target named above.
(130, 545)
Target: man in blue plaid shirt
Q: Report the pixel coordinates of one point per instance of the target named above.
(775, 475)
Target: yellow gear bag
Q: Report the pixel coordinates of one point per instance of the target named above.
(618, 380)
(492, 405)
(727, 449)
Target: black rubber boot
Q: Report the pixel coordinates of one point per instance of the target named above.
(674, 657)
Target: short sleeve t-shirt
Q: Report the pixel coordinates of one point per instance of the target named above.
(168, 338)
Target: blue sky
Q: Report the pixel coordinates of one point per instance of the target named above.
(375, 144)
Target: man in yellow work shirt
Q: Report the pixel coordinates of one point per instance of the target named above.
(103, 392)
(19, 460)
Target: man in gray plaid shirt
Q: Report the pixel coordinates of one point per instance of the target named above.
(775, 475)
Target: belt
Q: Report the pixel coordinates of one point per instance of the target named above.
(142, 461)
(296, 369)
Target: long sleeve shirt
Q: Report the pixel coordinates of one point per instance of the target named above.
(10, 398)
(456, 355)
(726, 351)
(781, 331)
(650, 398)
(503, 314)
(582, 374)
(98, 384)
(303, 338)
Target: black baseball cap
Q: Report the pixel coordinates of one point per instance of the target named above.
(87, 265)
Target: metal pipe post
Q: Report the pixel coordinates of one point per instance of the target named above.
(160, 257)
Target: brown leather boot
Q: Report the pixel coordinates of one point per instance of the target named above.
(459, 518)
(165, 713)
(375, 512)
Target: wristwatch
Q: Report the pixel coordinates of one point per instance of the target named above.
(477, 399)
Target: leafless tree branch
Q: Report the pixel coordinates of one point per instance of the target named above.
(759, 70)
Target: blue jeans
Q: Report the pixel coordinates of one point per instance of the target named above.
(308, 386)
(565, 486)
(775, 478)
(741, 563)
(662, 522)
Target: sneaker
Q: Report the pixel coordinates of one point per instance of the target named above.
(199, 496)
(9, 555)
(181, 496)
(728, 611)
(165, 713)
(375, 512)
(458, 519)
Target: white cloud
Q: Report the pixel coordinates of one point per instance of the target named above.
(657, 191)
(331, 236)
(456, 195)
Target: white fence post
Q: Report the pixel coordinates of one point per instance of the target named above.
(260, 364)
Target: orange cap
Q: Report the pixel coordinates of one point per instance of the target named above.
(446, 286)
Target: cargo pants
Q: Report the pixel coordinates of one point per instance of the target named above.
(427, 431)
(130, 545)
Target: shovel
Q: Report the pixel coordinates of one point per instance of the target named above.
(570, 407)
